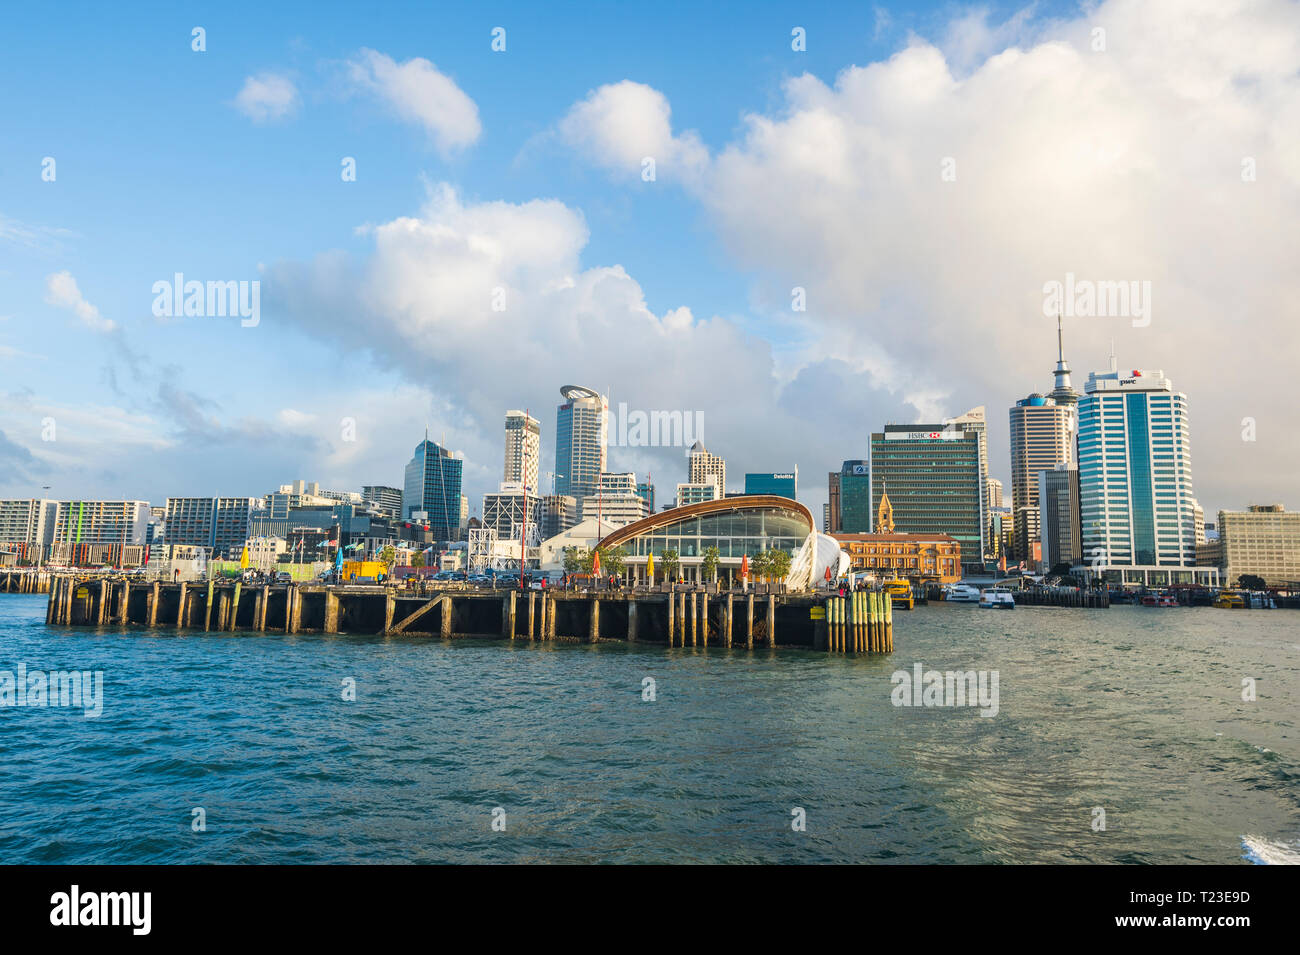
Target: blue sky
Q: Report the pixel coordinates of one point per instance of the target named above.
(159, 171)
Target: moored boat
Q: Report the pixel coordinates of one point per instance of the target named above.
(997, 598)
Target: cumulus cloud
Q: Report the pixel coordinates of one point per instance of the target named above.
(620, 125)
(490, 307)
(419, 93)
(61, 290)
(1166, 152)
(267, 97)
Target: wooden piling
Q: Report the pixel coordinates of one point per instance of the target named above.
(593, 622)
(695, 620)
(771, 620)
(704, 619)
(672, 615)
(749, 622)
(631, 621)
(532, 610)
(234, 610)
(726, 636)
(390, 608)
(180, 606)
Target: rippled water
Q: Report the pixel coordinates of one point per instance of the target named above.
(1134, 710)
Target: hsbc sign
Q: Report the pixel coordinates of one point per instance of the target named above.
(924, 435)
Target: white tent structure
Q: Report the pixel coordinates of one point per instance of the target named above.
(808, 567)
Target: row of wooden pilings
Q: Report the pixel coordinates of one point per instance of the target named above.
(111, 602)
(688, 619)
(862, 622)
(25, 581)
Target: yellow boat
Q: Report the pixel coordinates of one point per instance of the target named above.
(900, 593)
(1230, 601)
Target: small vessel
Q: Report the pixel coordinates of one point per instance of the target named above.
(997, 598)
(1167, 600)
(900, 593)
(1230, 601)
(961, 593)
(1150, 600)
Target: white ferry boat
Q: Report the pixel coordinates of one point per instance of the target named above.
(997, 598)
(961, 593)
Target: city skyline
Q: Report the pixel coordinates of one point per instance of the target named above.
(377, 307)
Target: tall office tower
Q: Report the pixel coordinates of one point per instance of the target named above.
(1135, 480)
(523, 450)
(1042, 436)
(974, 421)
(705, 467)
(433, 483)
(1058, 507)
(387, 501)
(580, 436)
(993, 492)
(831, 512)
(855, 497)
(935, 484)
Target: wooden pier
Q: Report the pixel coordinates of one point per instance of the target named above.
(25, 581)
(859, 623)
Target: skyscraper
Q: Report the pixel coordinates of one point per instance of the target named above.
(1135, 480)
(854, 498)
(934, 480)
(523, 450)
(831, 512)
(705, 467)
(1042, 437)
(975, 422)
(433, 482)
(1058, 508)
(580, 436)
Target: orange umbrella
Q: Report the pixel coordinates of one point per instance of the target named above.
(595, 563)
(744, 566)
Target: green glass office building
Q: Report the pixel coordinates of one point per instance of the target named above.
(934, 477)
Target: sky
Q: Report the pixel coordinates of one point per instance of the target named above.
(854, 214)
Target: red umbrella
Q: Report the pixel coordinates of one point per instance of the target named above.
(828, 573)
(595, 563)
(744, 566)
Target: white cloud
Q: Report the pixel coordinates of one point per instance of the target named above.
(422, 304)
(621, 124)
(1120, 164)
(61, 290)
(267, 97)
(417, 92)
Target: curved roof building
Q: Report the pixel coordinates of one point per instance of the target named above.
(738, 527)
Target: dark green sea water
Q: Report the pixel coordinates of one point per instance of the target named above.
(1136, 711)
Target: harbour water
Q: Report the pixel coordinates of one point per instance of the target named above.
(1137, 712)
